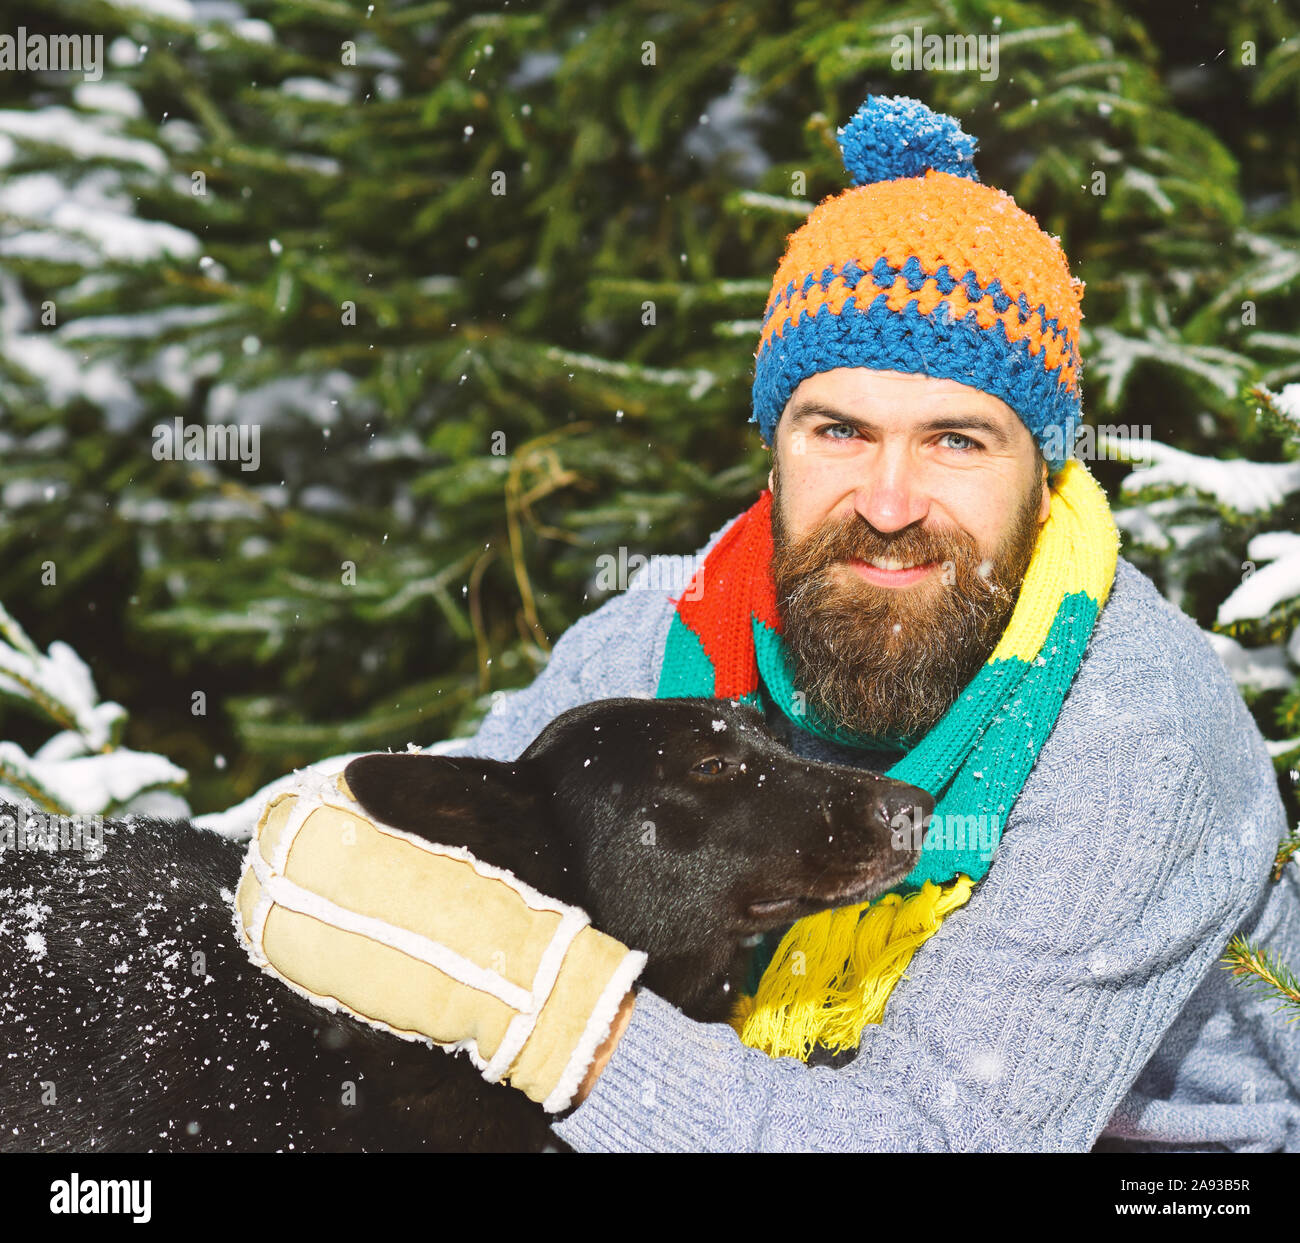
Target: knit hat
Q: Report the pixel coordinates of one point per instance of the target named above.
(920, 268)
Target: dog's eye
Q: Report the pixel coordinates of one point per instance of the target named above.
(711, 767)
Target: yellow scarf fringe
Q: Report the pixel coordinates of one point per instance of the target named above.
(834, 971)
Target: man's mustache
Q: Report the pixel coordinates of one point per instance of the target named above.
(850, 544)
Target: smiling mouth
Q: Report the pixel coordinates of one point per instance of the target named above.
(892, 563)
(892, 573)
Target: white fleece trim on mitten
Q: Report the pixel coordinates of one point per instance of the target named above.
(596, 1031)
(312, 793)
(255, 933)
(309, 790)
(332, 1005)
(548, 970)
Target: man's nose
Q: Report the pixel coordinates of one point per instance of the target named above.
(892, 495)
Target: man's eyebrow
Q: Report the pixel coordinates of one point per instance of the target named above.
(805, 410)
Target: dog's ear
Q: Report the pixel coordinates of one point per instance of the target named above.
(438, 796)
(500, 813)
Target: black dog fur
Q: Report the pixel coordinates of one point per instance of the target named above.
(132, 1020)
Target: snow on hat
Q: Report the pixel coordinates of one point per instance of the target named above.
(918, 267)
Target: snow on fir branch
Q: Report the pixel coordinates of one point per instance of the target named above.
(82, 769)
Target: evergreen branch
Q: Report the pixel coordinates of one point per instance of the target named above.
(344, 14)
(21, 643)
(1253, 967)
(16, 636)
(258, 722)
(481, 646)
(420, 13)
(1037, 34)
(773, 203)
(737, 328)
(56, 711)
(434, 585)
(1283, 414)
(11, 776)
(689, 293)
(1286, 850)
(515, 506)
(183, 80)
(698, 380)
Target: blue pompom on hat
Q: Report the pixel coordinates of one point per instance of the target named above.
(893, 136)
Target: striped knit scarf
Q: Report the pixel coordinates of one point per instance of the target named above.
(832, 972)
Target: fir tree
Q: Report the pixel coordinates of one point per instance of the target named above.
(488, 286)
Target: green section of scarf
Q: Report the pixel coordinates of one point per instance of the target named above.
(832, 972)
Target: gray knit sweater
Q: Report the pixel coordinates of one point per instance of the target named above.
(1075, 1002)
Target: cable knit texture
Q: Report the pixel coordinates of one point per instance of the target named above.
(1102, 1021)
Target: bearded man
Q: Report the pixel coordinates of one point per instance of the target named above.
(931, 587)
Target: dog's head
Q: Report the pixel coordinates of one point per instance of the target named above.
(680, 825)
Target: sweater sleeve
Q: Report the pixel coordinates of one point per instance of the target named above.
(1022, 1022)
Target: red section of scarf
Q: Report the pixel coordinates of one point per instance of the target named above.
(737, 589)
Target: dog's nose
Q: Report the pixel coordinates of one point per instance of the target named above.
(903, 806)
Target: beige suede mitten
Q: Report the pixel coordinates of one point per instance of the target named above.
(428, 942)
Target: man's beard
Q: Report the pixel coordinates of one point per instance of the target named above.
(890, 661)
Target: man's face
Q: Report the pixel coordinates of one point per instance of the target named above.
(907, 468)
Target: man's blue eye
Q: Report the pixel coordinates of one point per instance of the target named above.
(828, 429)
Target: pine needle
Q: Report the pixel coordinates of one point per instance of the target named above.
(1254, 967)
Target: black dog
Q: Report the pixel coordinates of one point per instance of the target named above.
(131, 1019)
